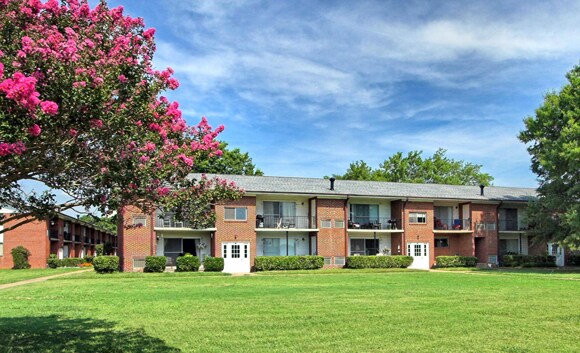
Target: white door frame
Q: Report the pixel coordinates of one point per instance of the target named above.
(557, 250)
(420, 254)
(236, 255)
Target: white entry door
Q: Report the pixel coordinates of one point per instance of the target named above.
(420, 254)
(557, 251)
(236, 256)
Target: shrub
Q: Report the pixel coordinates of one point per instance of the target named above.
(213, 264)
(528, 261)
(395, 261)
(71, 262)
(88, 259)
(155, 264)
(20, 256)
(273, 263)
(574, 260)
(106, 264)
(53, 261)
(456, 261)
(100, 249)
(187, 263)
(86, 264)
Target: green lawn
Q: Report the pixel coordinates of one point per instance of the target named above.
(9, 276)
(340, 311)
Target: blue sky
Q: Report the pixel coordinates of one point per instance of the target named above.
(308, 87)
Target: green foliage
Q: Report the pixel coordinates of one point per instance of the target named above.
(213, 264)
(574, 260)
(187, 263)
(412, 168)
(53, 261)
(107, 223)
(71, 262)
(528, 261)
(100, 249)
(155, 264)
(274, 263)
(456, 261)
(106, 264)
(553, 140)
(395, 261)
(20, 257)
(88, 259)
(230, 162)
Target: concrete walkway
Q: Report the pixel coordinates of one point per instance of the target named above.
(39, 279)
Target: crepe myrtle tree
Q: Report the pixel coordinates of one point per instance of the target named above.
(81, 111)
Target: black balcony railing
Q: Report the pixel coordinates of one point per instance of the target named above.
(510, 225)
(53, 234)
(170, 222)
(67, 236)
(86, 240)
(366, 222)
(78, 238)
(452, 224)
(283, 222)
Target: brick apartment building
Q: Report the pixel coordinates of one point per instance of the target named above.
(64, 236)
(302, 216)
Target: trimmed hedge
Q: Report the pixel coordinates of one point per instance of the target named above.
(53, 261)
(155, 264)
(528, 261)
(273, 263)
(20, 256)
(574, 260)
(213, 264)
(106, 264)
(456, 261)
(187, 263)
(395, 261)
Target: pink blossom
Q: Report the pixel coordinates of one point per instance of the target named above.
(163, 191)
(79, 84)
(73, 132)
(11, 148)
(96, 123)
(48, 107)
(149, 33)
(98, 81)
(34, 130)
(173, 83)
(185, 159)
(149, 146)
(122, 78)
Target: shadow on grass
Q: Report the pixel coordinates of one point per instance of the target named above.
(54, 333)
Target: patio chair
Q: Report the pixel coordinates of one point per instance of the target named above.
(457, 224)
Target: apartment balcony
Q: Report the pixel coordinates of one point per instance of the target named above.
(53, 234)
(366, 223)
(285, 223)
(170, 222)
(86, 240)
(455, 225)
(77, 238)
(511, 225)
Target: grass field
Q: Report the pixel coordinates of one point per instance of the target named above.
(9, 276)
(341, 311)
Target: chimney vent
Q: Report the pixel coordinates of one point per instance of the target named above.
(332, 183)
(481, 187)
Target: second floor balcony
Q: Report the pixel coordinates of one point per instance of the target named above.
(452, 224)
(285, 222)
(169, 221)
(370, 222)
(511, 225)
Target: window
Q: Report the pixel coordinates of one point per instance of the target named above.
(328, 260)
(339, 260)
(279, 214)
(509, 246)
(277, 246)
(441, 242)
(339, 223)
(418, 217)
(271, 247)
(236, 214)
(364, 214)
(225, 251)
(325, 223)
(1, 242)
(508, 219)
(360, 246)
(235, 251)
(138, 221)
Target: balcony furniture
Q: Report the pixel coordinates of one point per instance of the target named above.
(457, 224)
(377, 225)
(392, 223)
(439, 225)
(352, 225)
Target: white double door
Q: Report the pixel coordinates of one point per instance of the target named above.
(420, 254)
(236, 256)
(557, 251)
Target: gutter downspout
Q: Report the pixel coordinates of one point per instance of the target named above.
(404, 237)
(345, 226)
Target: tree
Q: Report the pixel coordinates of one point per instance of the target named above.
(412, 168)
(81, 111)
(230, 162)
(553, 139)
(107, 223)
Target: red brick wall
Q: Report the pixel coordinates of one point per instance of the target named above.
(331, 241)
(236, 230)
(32, 236)
(459, 244)
(419, 233)
(485, 213)
(135, 242)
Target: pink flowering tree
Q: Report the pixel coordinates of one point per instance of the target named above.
(81, 111)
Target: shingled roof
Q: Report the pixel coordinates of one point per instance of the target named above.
(318, 186)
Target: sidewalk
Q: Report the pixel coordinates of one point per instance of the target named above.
(40, 279)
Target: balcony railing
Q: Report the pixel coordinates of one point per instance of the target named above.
(77, 238)
(170, 222)
(53, 234)
(508, 225)
(281, 222)
(67, 236)
(86, 240)
(452, 224)
(366, 222)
